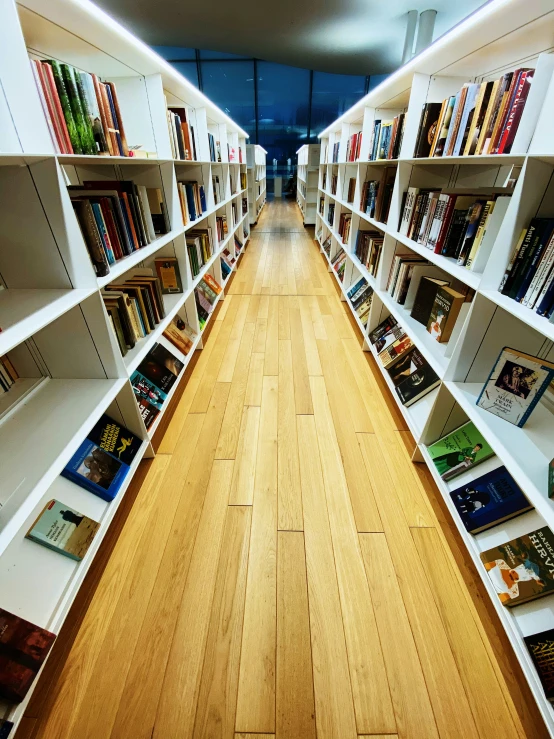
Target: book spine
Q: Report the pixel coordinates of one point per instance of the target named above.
(517, 259)
(538, 395)
(46, 106)
(545, 299)
(118, 117)
(85, 135)
(66, 107)
(540, 274)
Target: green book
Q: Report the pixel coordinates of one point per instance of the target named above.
(84, 131)
(456, 452)
(87, 115)
(551, 479)
(66, 107)
(64, 530)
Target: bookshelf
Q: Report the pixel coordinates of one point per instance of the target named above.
(307, 177)
(55, 327)
(498, 38)
(256, 167)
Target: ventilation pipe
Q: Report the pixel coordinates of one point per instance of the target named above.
(410, 35)
(425, 30)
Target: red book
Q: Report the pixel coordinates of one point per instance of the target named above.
(512, 122)
(103, 115)
(112, 228)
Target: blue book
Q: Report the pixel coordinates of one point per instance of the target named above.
(544, 307)
(469, 107)
(189, 189)
(535, 259)
(99, 218)
(147, 390)
(452, 126)
(354, 289)
(203, 199)
(489, 500)
(103, 459)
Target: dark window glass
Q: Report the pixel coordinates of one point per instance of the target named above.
(204, 55)
(175, 53)
(283, 109)
(375, 80)
(332, 94)
(188, 70)
(231, 86)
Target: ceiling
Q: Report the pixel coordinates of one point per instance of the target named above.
(343, 36)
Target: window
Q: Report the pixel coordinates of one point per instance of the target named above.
(204, 55)
(231, 86)
(188, 70)
(175, 53)
(332, 94)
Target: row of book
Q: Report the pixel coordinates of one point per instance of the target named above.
(451, 224)
(529, 276)
(482, 118)
(369, 245)
(386, 138)
(228, 259)
(135, 307)
(345, 222)
(117, 218)
(181, 134)
(8, 374)
(215, 148)
(326, 246)
(331, 214)
(200, 248)
(206, 294)
(410, 374)
(360, 296)
(377, 195)
(334, 183)
(221, 228)
(353, 147)
(339, 263)
(335, 156)
(218, 188)
(192, 199)
(152, 381)
(82, 113)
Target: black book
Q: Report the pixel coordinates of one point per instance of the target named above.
(541, 649)
(166, 359)
(382, 329)
(456, 234)
(161, 377)
(425, 298)
(427, 126)
(420, 380)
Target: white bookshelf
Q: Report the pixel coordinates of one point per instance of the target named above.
(55, 328)
(307, 178)
(500, 37)
(256, 164)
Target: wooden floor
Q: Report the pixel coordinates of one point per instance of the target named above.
(285, 570)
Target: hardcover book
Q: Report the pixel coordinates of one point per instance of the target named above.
(147, 390)
(102, 461)
(169, 275)
(444, 313)
(159, 375)
(395, 333)
(489, 500)
(515, 385)
(418, 379)
(425, 298)
(427, 126)
(166, 359)
(522, 569)
(23, 649)
(180, 335)
(382, 329)
(64, 530)
(541, 649)
(459, 450)
(396, 351)
(551, 479)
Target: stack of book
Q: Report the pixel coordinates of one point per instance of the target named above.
(180, 334)
(226, 264)
(529, 276)
(345, 221)
(408, 370)
(331, 214)
(386, 138)
(152, 381)
(206, 294)
(181, 134)
(377, 195)
(360, 296)
(117, 218)
(327, 246)
(82, 113)
(135, 307)
(339, 263)
(353, 147)
(200, 248)
(215, 148)
(351, 190)
(334, 182)
(450, 224)
(221, 228)
(369, 245)
(192, 199)
(482, 118)
(8, 374)
(336, 152)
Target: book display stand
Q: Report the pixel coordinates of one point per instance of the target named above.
(256, 164)
(498, 38)
(55, 329)
(307, 177)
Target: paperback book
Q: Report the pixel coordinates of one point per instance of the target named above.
(180, 334)
(63, 530)
(459, 450)
(414, 379)
(541, 649)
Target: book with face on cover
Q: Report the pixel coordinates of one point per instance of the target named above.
(515, 385)
(460, 449)
(64, 530)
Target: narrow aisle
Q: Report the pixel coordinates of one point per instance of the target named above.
(285, 571)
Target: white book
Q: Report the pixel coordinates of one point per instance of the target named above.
(408, 209)
(437, 221)
(143, 195)
(541, 273)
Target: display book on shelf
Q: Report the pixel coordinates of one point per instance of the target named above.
(98, 301)
(256, 174)
(483, 231)
(307, 175)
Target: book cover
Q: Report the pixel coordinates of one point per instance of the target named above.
(416, 381)
(180, 335)
(147, 411)
(382, 329)
(489, 500)
(445, 311)
(167, 269)
(541, 649)
(166, 359)
(5, 728)
(395, 351)
(460, 449)
(158, 374)
(23, 649)
(522, 569)
(64, 530)
(148, 390)
(425, 298)
(428, 123)
(515, 385)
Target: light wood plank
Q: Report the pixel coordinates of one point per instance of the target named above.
(412, 707)
(302, 394)
(485, 694)
(217, 698)
(256, 695)
(171, 436)
(254, 384)
(312, 355)
(242, 487)
(372, 701)
(271, 363)
(284, 325)
(177, 707)
(253, 308)
(332, 688)
(225, 305)
(290, 499)
(242, 735)
(295, 695)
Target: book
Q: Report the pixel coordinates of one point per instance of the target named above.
(180, 334)
(427, 127)
(444, 313)
(541, 649)
(522, 569)
(63, 530)
(5, 728)
(459, 450)
(382, 329)
(23, 650)
(425, 298)
(167, 269)
(391, 354)
(515, 385)
(551, 479)
(102, 461)
(416, 379)
(164, 358)
(489, 500)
